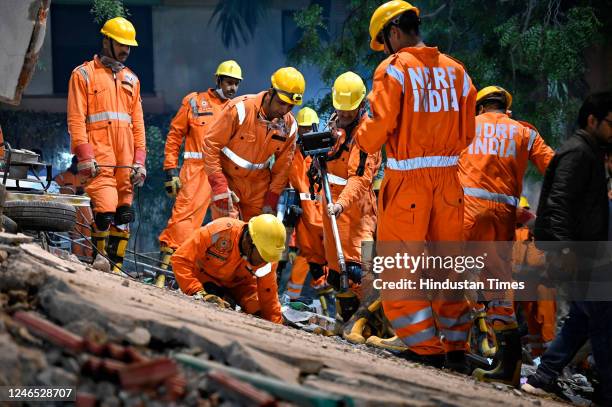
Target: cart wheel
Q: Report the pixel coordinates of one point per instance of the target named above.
(9, 225)
(41, 215)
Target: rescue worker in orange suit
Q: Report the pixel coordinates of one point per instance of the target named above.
(350, 173)
(423, 104)
(491, 171)
(191, 188)
(107, 134)
(541, 315)
(309, 227)
(250, 131)
(229, 257)
(71, 183)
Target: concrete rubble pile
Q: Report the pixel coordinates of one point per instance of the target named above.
(121, 342)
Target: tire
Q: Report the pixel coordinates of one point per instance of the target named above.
(41, 215)
(9, 225)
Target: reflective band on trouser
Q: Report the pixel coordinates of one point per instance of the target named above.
(336, 180)
(412, 319)
(453, 322)
(241, 162)
(293, 290)
(305, 196)
(99, 117)
(503, 318)
(454, 336)
(422, 162)
(421, 336)
(501, 303)
(192, 154)
(491, 196)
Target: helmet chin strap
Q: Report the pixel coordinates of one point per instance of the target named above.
(387, 41)
(112, 49)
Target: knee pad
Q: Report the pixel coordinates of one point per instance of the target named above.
(104, 220)
(124, 215)
(354, 272)
(316, 270)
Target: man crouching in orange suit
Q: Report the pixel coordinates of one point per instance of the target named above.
(229, 257)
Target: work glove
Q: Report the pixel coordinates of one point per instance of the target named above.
(202, 295)
(173, 182)
(334, 209)
(222, 197)
(139, 173)
(270, 203)
(87, 165)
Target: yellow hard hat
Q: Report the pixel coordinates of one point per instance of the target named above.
(290, 85)
(229, 68)
(307, 117)
(524, 203)
(268, 234)
(120, 30)
(382, 15)
(494, 92)
(348, 91)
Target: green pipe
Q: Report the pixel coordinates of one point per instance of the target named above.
(300, 395)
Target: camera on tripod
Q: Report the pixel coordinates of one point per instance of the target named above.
(317, 143)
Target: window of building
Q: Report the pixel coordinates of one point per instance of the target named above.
(76, 38)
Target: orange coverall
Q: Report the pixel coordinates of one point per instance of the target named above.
(105, 112)
(191, 123)
(423, 106)
(541, 315)
(239, 147)
(309, 228)
(212, 254)
(72, 184)
(491, 171)
(357, 222)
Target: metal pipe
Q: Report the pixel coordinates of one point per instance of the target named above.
(344, 286)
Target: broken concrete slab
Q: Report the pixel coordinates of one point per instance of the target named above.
(14, 239)
(175, 322)
(247, 358)
(54, 261)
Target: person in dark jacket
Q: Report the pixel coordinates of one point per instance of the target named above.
(574, 207)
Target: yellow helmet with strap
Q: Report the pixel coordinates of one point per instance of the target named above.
(290, 85)
(494, 92)
(348, 91)
(268, 235)
(229, 68)
(120, 30)
(307, 117)
(383, 15)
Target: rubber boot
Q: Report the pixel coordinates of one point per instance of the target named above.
(99, 239)
(347, 304)
(485, 337)
(359, 327)
(509, 357)
(165, 253)
(394, 344)
(457, 362)
(117, 246)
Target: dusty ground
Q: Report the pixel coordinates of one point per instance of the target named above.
(83, 299)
